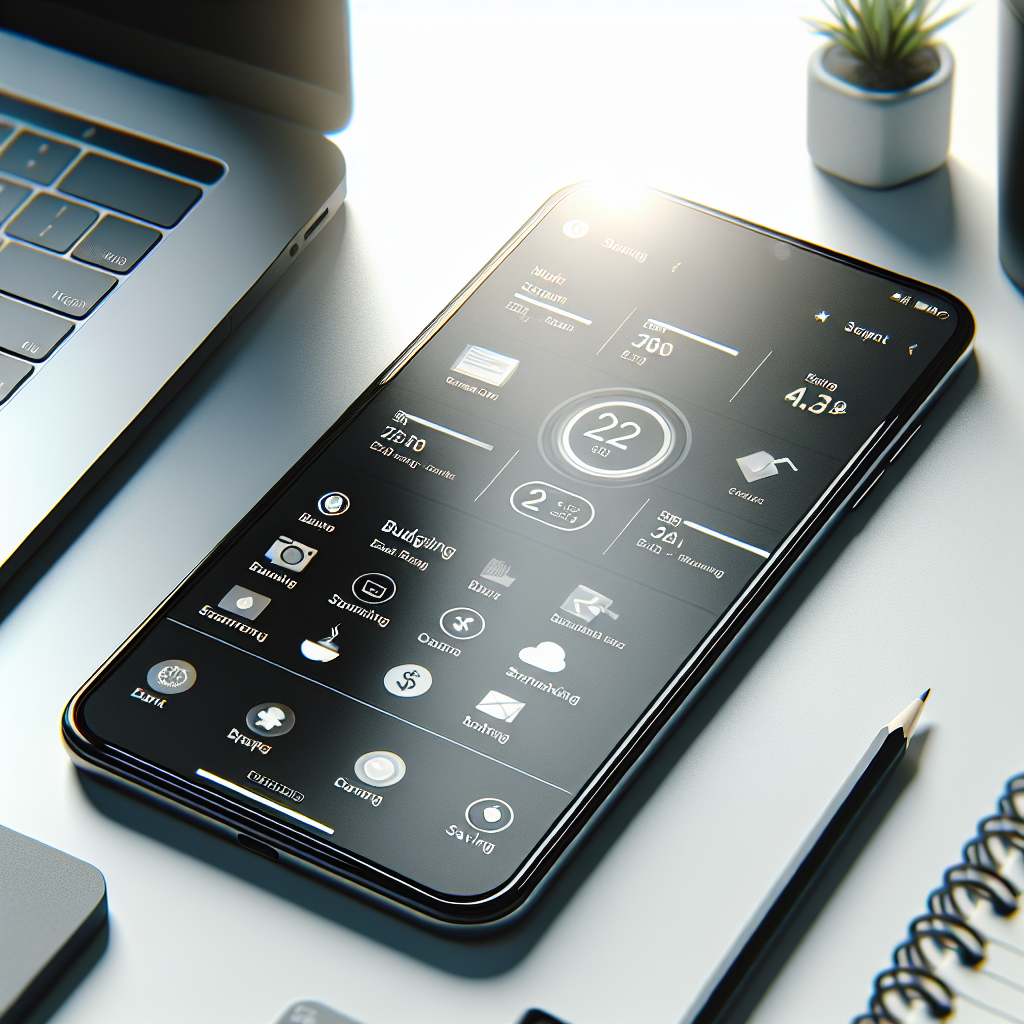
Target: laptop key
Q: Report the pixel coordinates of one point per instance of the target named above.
(5, 130)
(12, 373)
(143, 194)
(49, 281)
(37, 158)
(11, 197)
(52, 222)
(29, 332)
(117, 244)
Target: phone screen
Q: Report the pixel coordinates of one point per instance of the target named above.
(436, 633)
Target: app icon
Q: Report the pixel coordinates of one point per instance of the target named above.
(380, 768)
(270, 719)
(500, 706)
(462, 623)
(408, 680)
(552, 506)
(374, 588)
(333, 503)
(619, 435)
(575, 228)
(290, 554)
(482, 364)
(489, 815)
(171, 677)
(761, 464)
(497, 572)
(548, 656)
(587, 604)
(244, 602)
(324, 649)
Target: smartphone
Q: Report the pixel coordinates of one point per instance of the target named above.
(421, 666)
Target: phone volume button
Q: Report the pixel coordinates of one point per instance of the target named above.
(899, 451)
(867, 490)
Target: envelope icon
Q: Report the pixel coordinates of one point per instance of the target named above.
(500, 705)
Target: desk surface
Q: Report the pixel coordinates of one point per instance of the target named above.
(467, 116)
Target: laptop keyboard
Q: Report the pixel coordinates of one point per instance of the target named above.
(81, 206)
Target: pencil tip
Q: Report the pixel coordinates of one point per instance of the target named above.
(908, 718)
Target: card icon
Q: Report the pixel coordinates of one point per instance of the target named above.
(500, 706)
(482, 364)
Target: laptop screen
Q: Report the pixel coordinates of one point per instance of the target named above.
(289, 58)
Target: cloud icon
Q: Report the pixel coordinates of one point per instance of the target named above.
(547, 656)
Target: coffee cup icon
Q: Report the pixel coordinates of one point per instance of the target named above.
(324, 649)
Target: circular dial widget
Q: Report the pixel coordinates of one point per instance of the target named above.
(615, 436)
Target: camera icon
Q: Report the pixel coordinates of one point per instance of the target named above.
(290, 554)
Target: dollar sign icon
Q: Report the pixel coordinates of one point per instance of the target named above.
(408, 680)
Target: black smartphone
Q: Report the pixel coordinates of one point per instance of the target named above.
(427, 659)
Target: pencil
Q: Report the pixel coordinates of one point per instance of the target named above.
(864, 782)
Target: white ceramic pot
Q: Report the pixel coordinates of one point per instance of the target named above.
(878, 139)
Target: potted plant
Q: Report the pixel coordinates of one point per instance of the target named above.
(880, 91)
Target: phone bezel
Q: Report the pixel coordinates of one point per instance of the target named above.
(509, 901)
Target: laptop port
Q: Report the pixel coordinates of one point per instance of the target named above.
(312, 227)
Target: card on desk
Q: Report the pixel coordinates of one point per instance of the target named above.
(51, 906)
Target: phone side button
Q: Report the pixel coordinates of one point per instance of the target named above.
(257, 847)
(867, 490)
(910, 437)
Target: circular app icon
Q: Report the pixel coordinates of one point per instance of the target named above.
(489, 815)
(408, 680)
(380, 768)
(462, 623)
(171, 677)
(615, 436)
(271, 719)
(575, 228)
(374, 588)
(333, 503)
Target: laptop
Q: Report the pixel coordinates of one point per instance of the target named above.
(161, 165)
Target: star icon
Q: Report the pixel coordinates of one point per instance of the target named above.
(822, 316)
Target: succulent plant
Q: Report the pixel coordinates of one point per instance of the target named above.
(882, 34)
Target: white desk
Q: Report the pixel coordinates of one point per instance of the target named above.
(467, 116)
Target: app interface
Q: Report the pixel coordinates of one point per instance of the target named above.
(441, 630)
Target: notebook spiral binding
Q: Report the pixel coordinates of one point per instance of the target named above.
(899, 990)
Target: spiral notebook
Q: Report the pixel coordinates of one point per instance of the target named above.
(963, 960)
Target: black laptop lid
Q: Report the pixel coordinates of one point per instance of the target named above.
(289, 58)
